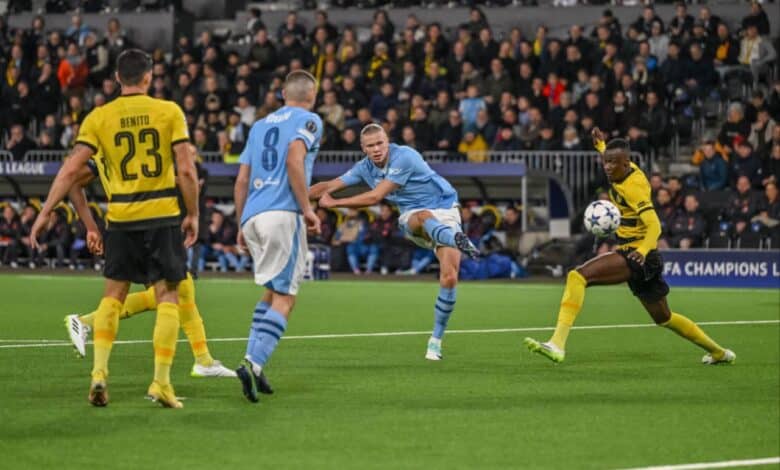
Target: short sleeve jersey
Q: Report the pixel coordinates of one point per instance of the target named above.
(419, 186)
(632, 197)
(266, 155)
(133, 138)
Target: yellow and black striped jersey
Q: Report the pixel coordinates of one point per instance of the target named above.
(133, 138)
(632, 197)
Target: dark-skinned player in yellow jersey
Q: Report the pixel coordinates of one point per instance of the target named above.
(635, 261)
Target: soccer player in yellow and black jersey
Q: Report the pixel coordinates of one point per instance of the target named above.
(144, 144)
(635, 261)
(191, 322)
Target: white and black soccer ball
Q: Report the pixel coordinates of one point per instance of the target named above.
(602, 218)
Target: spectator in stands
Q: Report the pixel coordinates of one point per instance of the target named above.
(761, 132)
(709, 21)
(222, 244)
(713, 170)
(383, 239)
(55, 241)
(726, 51)
(450, 133)
(745, 163)
(471, 105)
(473, 146)
(18, 143)
(654, 121)
(659, 42)
(512, 226)
(10, 229)
(736, 128)
(73, 70)
(352, 233)
(758, 18)
(506, 140)
(688, 227)
(769, 211)
(681, 25)
(771, 171)
(701, 78)
(675, 188)
(471, 225)
(755, 54)
(644, 23)
(665, 209)
(571, 139)
(742, 205)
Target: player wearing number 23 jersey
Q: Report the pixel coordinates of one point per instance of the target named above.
(136, 134)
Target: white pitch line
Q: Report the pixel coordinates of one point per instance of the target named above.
(722, 464)
(58, 343)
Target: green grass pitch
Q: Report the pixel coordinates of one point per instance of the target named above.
(625, 397)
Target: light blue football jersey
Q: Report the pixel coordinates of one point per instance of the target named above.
(266, 154)
(420, 186)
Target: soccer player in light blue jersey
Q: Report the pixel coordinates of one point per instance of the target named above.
(274, 212)
(430, 215)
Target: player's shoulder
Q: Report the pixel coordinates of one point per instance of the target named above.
(404, 153)
(637, 178)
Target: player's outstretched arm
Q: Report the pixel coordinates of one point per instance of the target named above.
(599, 139)
(326, 187)
(188, 186)
(69, 173)
(296, 173)
(369, 198)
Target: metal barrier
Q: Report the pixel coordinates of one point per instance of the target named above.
(6, 156)
(576, 169)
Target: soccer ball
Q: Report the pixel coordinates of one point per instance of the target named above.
(602, 218)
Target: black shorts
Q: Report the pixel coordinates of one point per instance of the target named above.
(145, 256)
(647, 281)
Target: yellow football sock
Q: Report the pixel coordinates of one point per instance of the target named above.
(689, 330)
(571, 303)
(138, 302)
(192, 323)
(106, 325)
(166, 331)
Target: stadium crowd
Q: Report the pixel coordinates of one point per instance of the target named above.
(458, 90)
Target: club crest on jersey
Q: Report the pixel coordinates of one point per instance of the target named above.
(257, 183)
(311, 126)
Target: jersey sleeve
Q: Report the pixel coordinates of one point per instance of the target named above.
(638, 197)
(308, 128)
(354, 176)
(179, 131)
(401, 168)
(88, 132)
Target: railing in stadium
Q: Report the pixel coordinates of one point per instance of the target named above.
(6, 156)
(576, 169)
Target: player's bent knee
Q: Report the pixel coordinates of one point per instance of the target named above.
(448, 278)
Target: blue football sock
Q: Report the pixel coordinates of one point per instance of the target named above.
(267, 335)
(260, 310)
(445, 304)
(440, 233)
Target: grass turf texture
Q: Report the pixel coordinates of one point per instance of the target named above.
(623, 398)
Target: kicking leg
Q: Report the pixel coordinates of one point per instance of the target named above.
(449, 261)
(441, 233)
(609, 268)
(685, 327)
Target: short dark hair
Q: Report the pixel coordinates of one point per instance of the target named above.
(618, 144)
(132, 65)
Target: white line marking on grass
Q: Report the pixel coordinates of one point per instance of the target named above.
(507, 284)
(722, 464)
(57, 343)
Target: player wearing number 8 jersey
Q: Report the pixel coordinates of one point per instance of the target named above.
(273, 209)
(138, 138)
